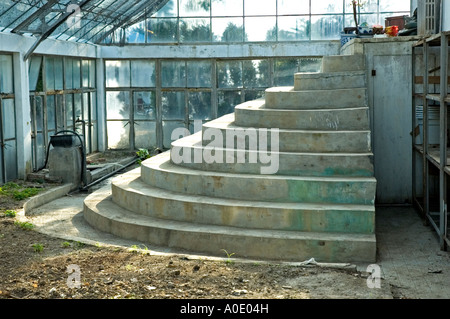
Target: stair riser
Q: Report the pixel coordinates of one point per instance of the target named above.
(294, 164)
(333, 120)
(287, 141)
(336, 221)
(320, 190)
(330, 81)
(298, 100)
(286, 249)
(343, 63)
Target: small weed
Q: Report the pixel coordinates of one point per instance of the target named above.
(24, 225)
(10, 213)
(26, 193)
(143, 154)
(65, 244)
(38, 248)
(228, 261)
(79, 244)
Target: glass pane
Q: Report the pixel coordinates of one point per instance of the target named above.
(284, 70)
(173, 106)
(194, 8)
(117, 73)
(173, 74)
(51, 112)
(94, 106)
(200, 106)
(293, 6)
(371, 19)
(78, 108)
(118, 134)
(6, 74)
(170, 9)
(228, 8)
(92, 74)
(118, 105)
(34, 71)
(369, 6)
(293, 28)
(10, 152)
(227, 101)
(261, 28)
(310, 64)
(195, 30)
(254, 95)
(145, 134)
(254, 7)
(143, 73)
(229, 74)
(50, 73)
(86, 107)
(40, 150)
(39, 113)
(94, 137)
(59, 83)
(198, 74)
(326, 27)
(59, 113)
(69, 112)
(256, 73)
(327, 6)
(85, 70)
(76, 65)
(228, 29)
(162, 30)
(136, 33)
(144, 106)
(399, 5)
(9, 119)
(168, 128)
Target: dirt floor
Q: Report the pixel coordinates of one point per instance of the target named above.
(36, 266)
(27, 272)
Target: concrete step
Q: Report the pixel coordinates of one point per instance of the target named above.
(160, 172)
(291, 99)
(134, 194)
(189, 152)
(101, 213)
(223, 132)
(343, 63)
(255, 114)
(330, 81)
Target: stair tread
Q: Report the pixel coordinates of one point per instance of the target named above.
(101, 203)
(164, 158)
(227, 122)
(133, 183)
(260, 105)
(195, 141)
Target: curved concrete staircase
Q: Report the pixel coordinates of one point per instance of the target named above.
(318, 203)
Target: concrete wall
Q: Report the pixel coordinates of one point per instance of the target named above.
(317, 48)
(390, 103)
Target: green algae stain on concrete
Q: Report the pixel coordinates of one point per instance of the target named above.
(328, 191)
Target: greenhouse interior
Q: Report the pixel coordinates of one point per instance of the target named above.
(124, 75)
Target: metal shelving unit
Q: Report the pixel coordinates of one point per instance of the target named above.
(431, 159)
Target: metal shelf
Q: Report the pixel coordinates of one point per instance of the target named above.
(432, 201)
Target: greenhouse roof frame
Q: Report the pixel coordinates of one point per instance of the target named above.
(87, 21)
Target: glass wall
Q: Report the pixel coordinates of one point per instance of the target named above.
(8, 149)
(216, 21)
(62, 97)
(147, 99)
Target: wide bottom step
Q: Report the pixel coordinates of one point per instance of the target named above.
(103, 214)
